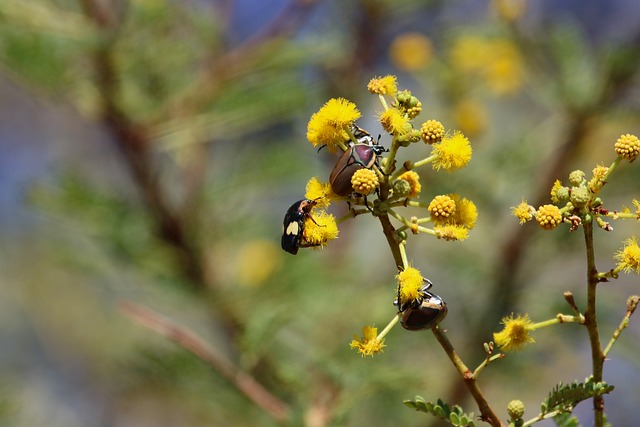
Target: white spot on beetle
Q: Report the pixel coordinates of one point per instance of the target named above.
(293, 228)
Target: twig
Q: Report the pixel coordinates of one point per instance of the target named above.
(188, 340)
(591, 321)
(486, 412)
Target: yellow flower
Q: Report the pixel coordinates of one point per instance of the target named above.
(629, 256)
(515, 334)
(327, 126)
(454, 152)
(509, 10)
(256, 262)
(636, 203)
(320, 192)
(505, 71)
(319, 229)
(470, 116)
(364, 181)
(451, 232)
(410, 281)
(411, 51)
(386, 85)
(548, 216)
(394, 122)
(414, 183)
(441, 208)
(524, 212)
(432, 131)
(628, 147)
(600, 173)
(497, 61)
(466, 213)
(470, 53)
(369, 344)
(554, 191)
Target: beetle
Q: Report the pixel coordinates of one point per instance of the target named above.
(432, 310)
(424, 312)
(356, 157)
(362, 136)
(293, 225)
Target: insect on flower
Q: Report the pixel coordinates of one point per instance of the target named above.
(362, 155)
(424, 312)
(293, 225)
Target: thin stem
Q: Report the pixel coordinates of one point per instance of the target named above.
(486, 412)
(632, 304)
(403, 253)
(591, 321)
(187, 339)
(390, 326)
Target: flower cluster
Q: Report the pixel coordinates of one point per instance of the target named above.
(368, 176)
(580, 201)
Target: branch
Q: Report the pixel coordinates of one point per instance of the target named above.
(188, 340)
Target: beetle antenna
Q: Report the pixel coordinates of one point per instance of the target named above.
(321, 147)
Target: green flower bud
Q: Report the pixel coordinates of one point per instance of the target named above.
(576, 177)
(515, 409)
(562, 194)
(401, 188)
(580, 196)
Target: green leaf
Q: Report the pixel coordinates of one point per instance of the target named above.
(566, 420)
(564, 397)
(452, 414)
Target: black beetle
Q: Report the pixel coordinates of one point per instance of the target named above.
(293, 225)
(424, 312)
(356, 157)
(432, 310)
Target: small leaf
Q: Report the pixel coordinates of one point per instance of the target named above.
(455, 419)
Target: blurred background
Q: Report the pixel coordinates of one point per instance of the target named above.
(149, 150)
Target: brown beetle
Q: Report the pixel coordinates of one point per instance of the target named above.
(356, 157)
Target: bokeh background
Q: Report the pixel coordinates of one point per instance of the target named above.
(149, 150)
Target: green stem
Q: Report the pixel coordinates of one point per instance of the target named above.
(407, 166)
(632, 304)
(486, 412)
(591, 321)
(390, 326)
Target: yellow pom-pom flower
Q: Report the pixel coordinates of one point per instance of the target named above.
(320, 192)
(451, 232)
(364, 181)
(470, 116)
(454, 152)
(628, 147)
(414, 183)
(319, 229)
(432, 131)
(411, 51)
(394, 122)
(524, 212)
(548, 216)
(505, 72)
(441, 208)
(327, 126)
(509, 10)
(466, 213)
(629, 256)
(600, 174)
(369, 344)
(515, 334)
(386, 85)
(410, 281)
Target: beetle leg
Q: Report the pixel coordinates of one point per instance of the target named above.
(366, 203)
